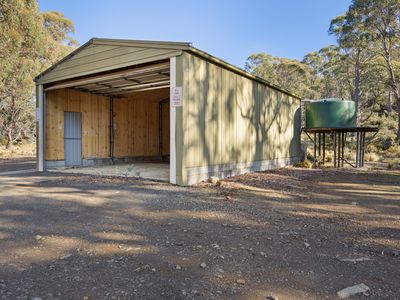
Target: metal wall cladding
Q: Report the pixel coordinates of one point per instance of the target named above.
(331, 113)
(73, 138)
(100, 58)
(231, 119)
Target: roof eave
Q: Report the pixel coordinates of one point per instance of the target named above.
(120, 42)
(63, 59)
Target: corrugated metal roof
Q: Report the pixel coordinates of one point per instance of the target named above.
(182, 46)
(154, 76)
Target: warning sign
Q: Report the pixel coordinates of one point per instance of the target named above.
(176, 99)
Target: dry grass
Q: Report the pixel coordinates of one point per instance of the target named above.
(371, 157)
(18, 151)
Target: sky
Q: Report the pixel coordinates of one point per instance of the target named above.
(231, 30)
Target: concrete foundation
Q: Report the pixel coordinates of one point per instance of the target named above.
(197, 174)
(146, 170)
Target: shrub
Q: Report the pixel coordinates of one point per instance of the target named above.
(349, 155)
(372, 148)
(304, 164)
(310, 157)
(386, 135)
(394, 149)
(371, 157)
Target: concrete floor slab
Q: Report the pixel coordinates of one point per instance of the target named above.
(145, 170)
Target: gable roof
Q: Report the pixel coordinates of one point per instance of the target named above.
(126, 49)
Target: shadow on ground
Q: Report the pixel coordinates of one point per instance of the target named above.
(281, 233)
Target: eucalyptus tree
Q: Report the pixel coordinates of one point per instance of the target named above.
(381, 20)
(29, 42)
(354, 42)
(288, 73)
(330, 71)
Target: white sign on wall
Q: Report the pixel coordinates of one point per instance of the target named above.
(38, 114)
(176, 98)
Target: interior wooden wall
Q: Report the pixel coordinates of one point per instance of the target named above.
(137, 124)
(136, 118)
(95, 111)
(165, 128)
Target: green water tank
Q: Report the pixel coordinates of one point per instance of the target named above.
(332, 113)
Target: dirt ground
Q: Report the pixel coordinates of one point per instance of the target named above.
(17, 164)
(284, 234)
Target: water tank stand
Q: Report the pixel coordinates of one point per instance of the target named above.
(339, 138)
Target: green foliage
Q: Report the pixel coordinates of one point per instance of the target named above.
(363, 66)
(377, 25)
(30, 41)
(393, 152)
(288, 73)
(58, 41)
(386, 136)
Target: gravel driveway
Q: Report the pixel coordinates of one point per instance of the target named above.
(285, 234)
(17, 164)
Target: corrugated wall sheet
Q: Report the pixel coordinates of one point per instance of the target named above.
(99, 58)
(232, 119)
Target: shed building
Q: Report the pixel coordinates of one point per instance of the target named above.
(114, 101)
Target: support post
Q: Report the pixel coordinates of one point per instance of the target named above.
(343, 146)
(357, 149)
(315, 149)
(360, 150)
(334, 149)
(319, 144)
(112, 129)
(339, 150)
(323, 147)
(40, 128)
(177, 145)
(363, 149)
(172, 118)
(160, 130)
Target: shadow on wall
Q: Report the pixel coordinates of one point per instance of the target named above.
(204, 114)
(234, 119)
(270, 119)
(295, 142)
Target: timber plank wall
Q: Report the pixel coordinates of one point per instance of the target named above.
(136, 120)
(137, 123)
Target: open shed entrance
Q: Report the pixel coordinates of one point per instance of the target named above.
(123, 127)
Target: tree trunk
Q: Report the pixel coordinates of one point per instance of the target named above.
(396, 93)
(397, 96)
(398, 118)
(357, 87)
(389, 102)
(394, 84)
(9, 140)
